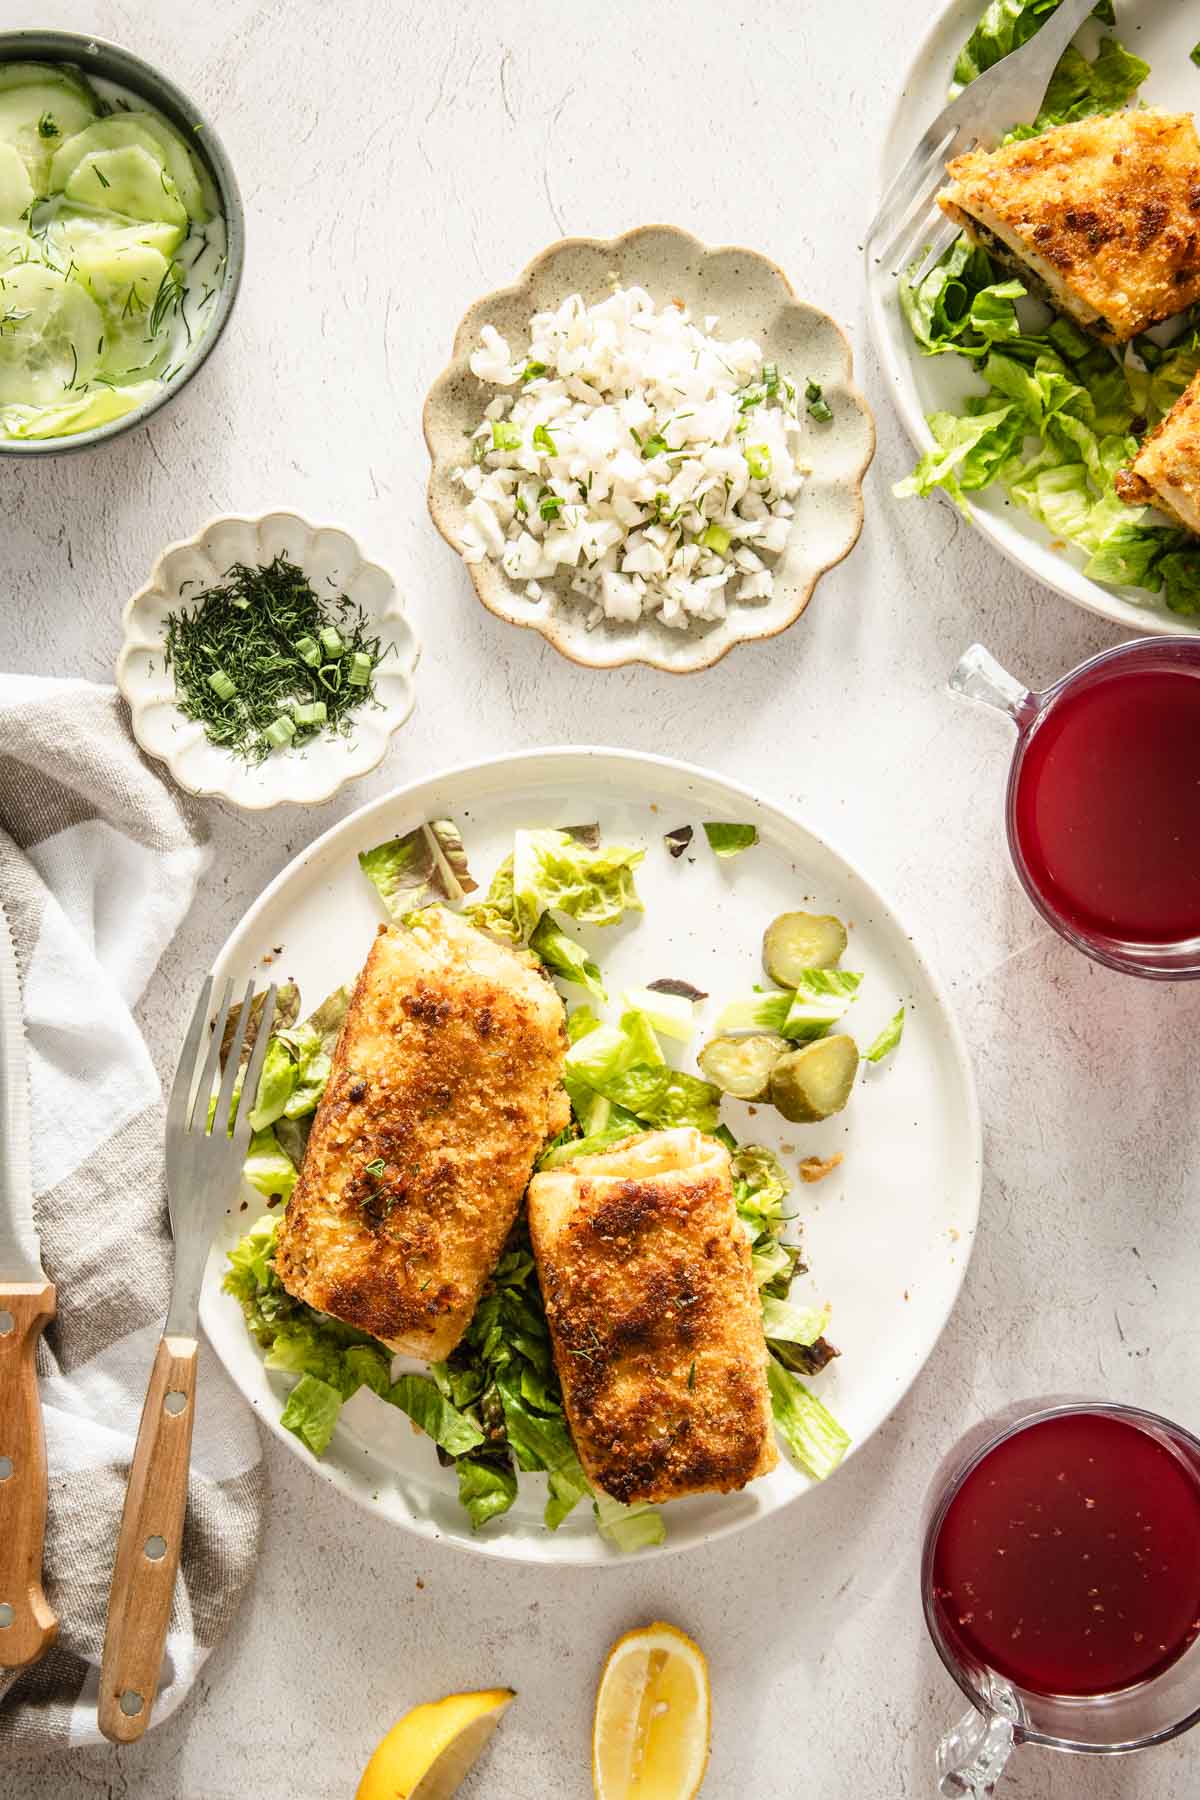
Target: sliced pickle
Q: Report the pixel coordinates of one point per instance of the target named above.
(742, 1066)
(814, 1083)
(796, 941)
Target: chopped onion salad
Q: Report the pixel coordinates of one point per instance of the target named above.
(649, 465)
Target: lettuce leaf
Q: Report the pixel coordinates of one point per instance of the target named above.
(888, 1038)
(487, 1487)
(311, 1412)
(628, 1528)
(565, 957)
(554, 869)
(425, 865)
(450, 1429)
(1004, 27)
(812, 1435)
(1079, 88)
(268, 1168)
(729, 840)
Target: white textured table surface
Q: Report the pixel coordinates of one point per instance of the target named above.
(396, 161)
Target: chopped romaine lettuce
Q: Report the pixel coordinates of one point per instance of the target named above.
(730, 840)
(628, 1528)
(791, 1324)
(1004, 27)
(670, 1013)
(311, 1411)
(807, 1011)
(555, 869)
(1079, 88)
(487, 1487)
(888, 1038)
(423, 866)
(268, 1168)
(426, 1406)
(813, 1437)
(564, 957)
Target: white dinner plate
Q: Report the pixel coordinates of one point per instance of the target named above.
(1162, 33)
(888, 1234)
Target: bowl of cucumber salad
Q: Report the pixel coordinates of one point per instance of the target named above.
(120, 241)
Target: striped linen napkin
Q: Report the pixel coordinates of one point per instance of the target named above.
(98, 866)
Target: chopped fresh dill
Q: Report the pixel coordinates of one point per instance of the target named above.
(46, 126)
(250, 629)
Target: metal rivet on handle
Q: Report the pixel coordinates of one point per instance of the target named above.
(155, 1548)
(7, 1615)
(175, 1401)
(6, 1323)
(6, 1468)
(131, 1703)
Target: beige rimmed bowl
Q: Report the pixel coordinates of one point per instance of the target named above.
(751, 297)
(333, 563)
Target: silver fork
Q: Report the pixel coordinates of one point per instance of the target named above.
(206, 1147)
(1010, 91)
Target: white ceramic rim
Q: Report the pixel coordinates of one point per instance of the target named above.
(515, 1549)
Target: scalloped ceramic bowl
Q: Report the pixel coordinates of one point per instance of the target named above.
(333, 562)
(751, 297)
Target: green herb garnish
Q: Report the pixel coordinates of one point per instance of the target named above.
(47, 128)
(258, 660)
(818, 407)
(543, 441)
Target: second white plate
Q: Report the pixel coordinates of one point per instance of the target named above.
(1162, 33)
(887, 1235)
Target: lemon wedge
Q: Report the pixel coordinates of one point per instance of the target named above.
(433, 1748)
(653, 1713)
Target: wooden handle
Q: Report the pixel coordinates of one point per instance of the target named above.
(27, 1625)
(143, 1583)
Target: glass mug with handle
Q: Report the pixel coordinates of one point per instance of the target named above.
(1060, 1580)
(1103, 807)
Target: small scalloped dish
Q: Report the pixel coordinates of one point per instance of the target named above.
(313, 773)
(751, 297)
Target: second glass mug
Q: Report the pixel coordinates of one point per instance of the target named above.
(979, 676)
(972, 1756)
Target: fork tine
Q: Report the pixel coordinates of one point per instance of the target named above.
(198, 1112)
(221, 1120)
(943, 238)
(183, 1087)
(892, 244)
(913, 179)
(254, 1067)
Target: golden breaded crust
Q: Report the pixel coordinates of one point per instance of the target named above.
(1108, 208)
(1166, 470)
(655, 1318)
(445, 1084)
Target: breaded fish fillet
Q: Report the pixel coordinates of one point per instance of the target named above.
(446, 1082)
(1166, 470)
(655, 1317)
(1105, 214)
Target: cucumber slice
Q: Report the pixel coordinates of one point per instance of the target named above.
(797, 941)
(129, 180)
(814, 1083)
(24, 74)
(72, 232)
(83, 414)
(124, 280)
(16, 246)
(50, 330)
(38, 113)
(742, 1066)
(16, 189)
(150, 133)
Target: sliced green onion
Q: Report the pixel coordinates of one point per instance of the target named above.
(818, 406)
(308, 650)
(758, 461)
(532, 370)
(359, 673)
(770, 375)
(505, 436)
(543, 441)
(715, 538)
(1195, 55)
(280, 731)
(331, 641)
(654, 446)
(521, 508)
(550, 506)
(313, 712)
(221, 685)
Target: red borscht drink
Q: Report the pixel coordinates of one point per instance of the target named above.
(1104, 799)
(1068, 1561)
(1107, 806)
